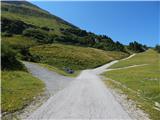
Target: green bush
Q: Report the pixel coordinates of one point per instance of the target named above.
(13, 26)
(39, 35)
(21, 45)
(75, 31)
(157, 48)
(5, 34)
(136, 47)
(8, 59)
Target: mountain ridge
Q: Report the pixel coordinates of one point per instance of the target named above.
(12, 6)
(48, 28)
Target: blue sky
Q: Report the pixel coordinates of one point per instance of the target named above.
(122, 21)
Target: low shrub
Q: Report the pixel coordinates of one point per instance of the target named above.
(8, 59)
(157, 48)
(136, 47)
(39, 35)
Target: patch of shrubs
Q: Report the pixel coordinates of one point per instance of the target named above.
(137, 47)
(75, 31)
(8, 59)
(46, 28)
(5, 34)
(68, 39)
(81, 37)
(13, 26)
(73, 36)
(25, 55)
(39, 35)
(157, 48)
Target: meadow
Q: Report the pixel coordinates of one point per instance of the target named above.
(148, 57)
(18, 89)
(74, 57)
(141, 83)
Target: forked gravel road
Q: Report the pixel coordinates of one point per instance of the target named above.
(84, 97)
(53, 81)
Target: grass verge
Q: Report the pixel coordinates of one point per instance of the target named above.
(18, 90)
(141, 84)
(142, 103)
(148, 57)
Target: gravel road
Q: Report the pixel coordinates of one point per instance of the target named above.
(86, 97)
(53, 81)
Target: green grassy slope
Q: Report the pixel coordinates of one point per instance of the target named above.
(20, 45)
(148, 57)
(48, 28)
(18, 42)
(142, 83)
(33, 15)
(37, 21)
(74, 57)
(18, 89)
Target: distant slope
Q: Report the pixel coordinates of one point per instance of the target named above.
(141, 58)
(74, 57)
(25, 25)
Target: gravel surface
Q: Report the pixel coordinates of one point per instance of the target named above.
(127, 67)
(54, 82)
(86, 97)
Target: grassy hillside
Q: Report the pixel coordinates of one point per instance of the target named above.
(141, 83)
(37, 21)
(33, 15)
(18, 42)
(74, 57)
(19, 16)
(25, 25)
(148, 57)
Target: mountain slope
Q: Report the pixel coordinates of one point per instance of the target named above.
(25, 22)
(22, 6)
(22, 13)
(29, 13)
